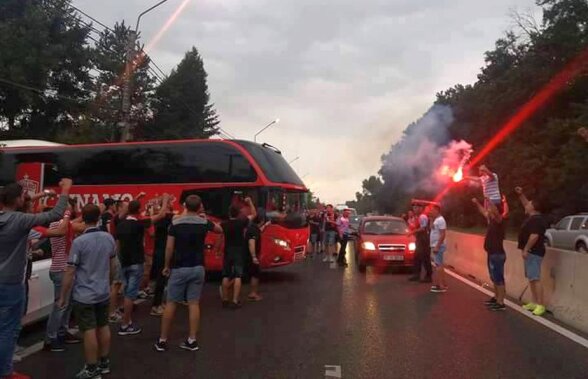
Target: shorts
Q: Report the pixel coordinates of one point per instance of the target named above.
(496, 268)
(234, 263)
(116, 275)
(533, 267)
(132, 277)
(252, 269)
(185, 284)
(91, 316)
(438, 258)
(314, 238)
(331, 237)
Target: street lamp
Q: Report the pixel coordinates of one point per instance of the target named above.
(129, 68)
(277, 120)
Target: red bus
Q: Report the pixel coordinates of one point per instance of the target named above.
(219, 171)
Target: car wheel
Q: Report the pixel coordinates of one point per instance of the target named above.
(581, 247)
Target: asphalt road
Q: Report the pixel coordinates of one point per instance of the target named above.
(373, 325)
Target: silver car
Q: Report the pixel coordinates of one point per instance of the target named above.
(571, 233)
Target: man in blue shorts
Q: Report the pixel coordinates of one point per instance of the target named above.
(494, 246)
(532, 245)
(331, 233)
(184, 264)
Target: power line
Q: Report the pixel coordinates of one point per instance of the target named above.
(90, 17)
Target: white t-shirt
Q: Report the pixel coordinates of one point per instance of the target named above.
(438, 225)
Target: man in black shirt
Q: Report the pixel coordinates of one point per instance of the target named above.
(253, 237)
(184, 264)
(532, 245)
(130, 238)
(161, 233)
(494, 246)
(315, 223)
(235, 250)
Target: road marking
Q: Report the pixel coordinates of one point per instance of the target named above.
(543, 321)
(332, 371)
(30, 350)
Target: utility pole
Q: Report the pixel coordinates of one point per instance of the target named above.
(131, 56)
(125, 123)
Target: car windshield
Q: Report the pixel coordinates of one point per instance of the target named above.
(385, 227)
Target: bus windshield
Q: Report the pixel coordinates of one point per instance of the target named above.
(286, 208)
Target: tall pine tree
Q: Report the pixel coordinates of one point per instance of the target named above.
(183, 108)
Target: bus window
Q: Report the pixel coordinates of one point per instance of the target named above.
(217, 201)
(287, 208)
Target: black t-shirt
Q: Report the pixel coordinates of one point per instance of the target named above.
(254, 233)
(331, 226)
(161, 228)
(234, 231)
(533, 225)
(105, 220)
(493, 244)
(190, 235)
(315, 224)
(131, 235)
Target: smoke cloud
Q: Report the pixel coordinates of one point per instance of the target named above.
(426, 158)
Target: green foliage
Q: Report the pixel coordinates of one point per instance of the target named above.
(183, 109)
(59, 82)
(544, 155)
(43, 47)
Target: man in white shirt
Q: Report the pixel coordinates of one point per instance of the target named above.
(438, 247)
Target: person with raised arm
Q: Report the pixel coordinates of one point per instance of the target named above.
(15, 227)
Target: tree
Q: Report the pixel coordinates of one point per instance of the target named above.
(44, 69)
(110, 61)
(544, 155)
(183, 108)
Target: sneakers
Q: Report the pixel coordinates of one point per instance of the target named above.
(86, 373)
(129, 330)
(497, 307)
(530, 307)
(55, 346)
(190, 346)
(104, 366)
(438, 289)
(115, 318)
(143, 295)
(491, 302)
(157, 311)
(539, 310)
(71, 339)
(325, 259)
(161, 346)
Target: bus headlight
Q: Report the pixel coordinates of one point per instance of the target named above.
(368, 246)
(412, 246)
(282, 243)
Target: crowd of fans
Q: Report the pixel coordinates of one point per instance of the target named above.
(117, 248)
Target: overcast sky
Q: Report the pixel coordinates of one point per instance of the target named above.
(345, 77)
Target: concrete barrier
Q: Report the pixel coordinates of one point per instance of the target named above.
(564, 275)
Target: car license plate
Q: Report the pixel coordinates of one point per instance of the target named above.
(394, 257)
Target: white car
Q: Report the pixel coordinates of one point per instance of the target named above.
(571, 233)
(40, 291)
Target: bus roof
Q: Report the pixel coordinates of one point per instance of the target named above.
(268, 161)
(28, 143)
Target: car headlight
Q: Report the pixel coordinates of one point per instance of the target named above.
(368, 246)
(281, 243)
(412, 246)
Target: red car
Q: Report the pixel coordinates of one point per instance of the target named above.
(383, 241)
